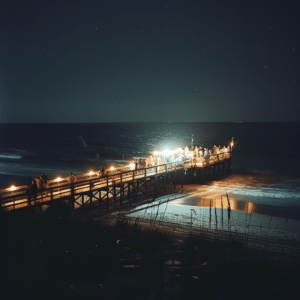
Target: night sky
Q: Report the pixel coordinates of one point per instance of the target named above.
(135, 61)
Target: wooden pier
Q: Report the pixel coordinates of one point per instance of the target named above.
(92, 190)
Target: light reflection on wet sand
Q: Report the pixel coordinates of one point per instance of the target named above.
(207, 206)
(289, 212)
(259, 192)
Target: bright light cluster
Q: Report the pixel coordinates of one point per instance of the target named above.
(12, 188)
(131, 166)
(169, 155)
(168, 152)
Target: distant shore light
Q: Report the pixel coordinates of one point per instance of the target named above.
(12, 188)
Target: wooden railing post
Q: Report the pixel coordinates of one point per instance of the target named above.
(91, 194)
(72, 196)
(107, 203)
(114, 195)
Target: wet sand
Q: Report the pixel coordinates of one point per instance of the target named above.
(200, 208)
(206, 199)
(72, 253)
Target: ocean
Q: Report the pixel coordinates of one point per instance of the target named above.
(264, 184)
(265, 164)
(265, 155)
(265, 160)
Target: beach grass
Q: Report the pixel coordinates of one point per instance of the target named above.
(57, 256)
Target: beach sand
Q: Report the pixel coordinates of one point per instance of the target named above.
(198, 207)
(41, 250)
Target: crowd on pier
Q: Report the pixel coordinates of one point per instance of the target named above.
(191, 154)
(194, 155)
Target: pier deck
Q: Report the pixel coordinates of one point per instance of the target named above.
(124, 185)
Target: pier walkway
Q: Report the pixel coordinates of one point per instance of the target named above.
(119, 186)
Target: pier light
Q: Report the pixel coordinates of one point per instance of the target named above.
(91, 173)
(58, 179)
(112, 168)
(12, 188)
(131, 166)
(166, 152)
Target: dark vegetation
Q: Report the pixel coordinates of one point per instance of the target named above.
(57, 257)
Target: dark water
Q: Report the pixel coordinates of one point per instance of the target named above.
(265, 160)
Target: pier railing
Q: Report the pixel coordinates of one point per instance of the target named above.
(21, 196)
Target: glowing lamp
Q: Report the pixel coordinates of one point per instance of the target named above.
(112, 168)
(91, 173)
(131, 165)
(166, 152)
(12, 188)
(58, 179)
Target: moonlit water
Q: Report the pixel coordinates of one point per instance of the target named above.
(264, 183)
(265, 164)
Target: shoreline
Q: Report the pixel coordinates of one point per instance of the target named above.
(69, 255)
(273, 225)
